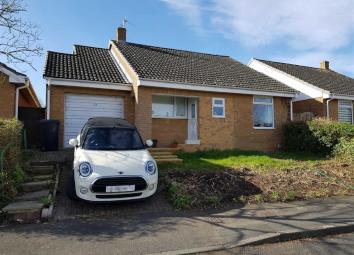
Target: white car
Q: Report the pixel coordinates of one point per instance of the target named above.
(111, 163)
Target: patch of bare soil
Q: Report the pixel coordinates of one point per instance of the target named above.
(219, 188)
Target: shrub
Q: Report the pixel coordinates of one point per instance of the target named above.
(12, 175)
(315, 136)
(344, 149)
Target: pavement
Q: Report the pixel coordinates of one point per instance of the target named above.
(181, 232)
(329, 245)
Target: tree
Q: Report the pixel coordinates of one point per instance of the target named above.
(18, 37)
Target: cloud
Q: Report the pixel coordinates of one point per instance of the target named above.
(190, 9)
(309, 30)
(302, 24)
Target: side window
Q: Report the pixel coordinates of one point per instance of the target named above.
(218, 108)
(263, 112)
(345, 111)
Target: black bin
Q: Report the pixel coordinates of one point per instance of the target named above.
(49, 132)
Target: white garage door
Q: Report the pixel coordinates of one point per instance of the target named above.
(79, 108)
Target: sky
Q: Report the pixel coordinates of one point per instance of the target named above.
(301, 32)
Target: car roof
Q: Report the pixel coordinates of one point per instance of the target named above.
(108, 122)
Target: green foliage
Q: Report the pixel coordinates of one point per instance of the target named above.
(46, 201)
(178, 196)
(12, 175)
(316, 136)
(344, 149)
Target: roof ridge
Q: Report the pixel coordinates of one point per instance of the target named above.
(278, 62)
(166, 48)
(87, 46)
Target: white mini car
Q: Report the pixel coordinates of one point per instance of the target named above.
(111, 163)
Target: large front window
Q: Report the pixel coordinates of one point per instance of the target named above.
(345, 111)
(263, 112)
(109, 138)
(169, 107)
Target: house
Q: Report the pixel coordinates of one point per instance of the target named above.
(324, 92)
(198, 100)
(15, 91)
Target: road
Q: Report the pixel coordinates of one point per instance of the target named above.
(339, 245)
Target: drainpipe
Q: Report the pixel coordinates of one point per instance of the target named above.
(328, 106)
(17, 96)
(48, 100)
(291, 110)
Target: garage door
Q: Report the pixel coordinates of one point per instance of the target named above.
(79, 108)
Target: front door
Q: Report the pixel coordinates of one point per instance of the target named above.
(192, 122)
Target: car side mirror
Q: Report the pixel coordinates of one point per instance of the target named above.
(149, 143)
(73, 142)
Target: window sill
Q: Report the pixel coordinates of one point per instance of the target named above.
(219, 117)
(264, 128)
(172, 118)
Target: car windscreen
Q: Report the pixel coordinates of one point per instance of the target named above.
(111, 138)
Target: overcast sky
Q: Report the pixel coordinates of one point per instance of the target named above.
(302, 31)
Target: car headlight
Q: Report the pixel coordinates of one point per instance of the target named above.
(150, 167)
(85, 169)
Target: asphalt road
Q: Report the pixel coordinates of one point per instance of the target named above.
(330, 245)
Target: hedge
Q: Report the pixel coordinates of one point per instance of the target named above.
(12, 176)
(315, 136)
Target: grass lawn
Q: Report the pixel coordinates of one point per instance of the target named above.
(218, 178)
(257, 161)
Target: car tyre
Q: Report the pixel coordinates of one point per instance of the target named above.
(70, 187)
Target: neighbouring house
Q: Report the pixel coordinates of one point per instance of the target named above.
(323, 92)
(199, 100)
(15, 91)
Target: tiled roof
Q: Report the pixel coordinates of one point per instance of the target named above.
(86, 63)
(164, 64)
(326, 79)
(12, 70)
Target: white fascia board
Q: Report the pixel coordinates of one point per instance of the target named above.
(88, 84)
(343, 97)
(13, 77)
(305, 88)
(176, 85)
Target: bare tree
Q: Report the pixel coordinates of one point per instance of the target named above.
(18, 37)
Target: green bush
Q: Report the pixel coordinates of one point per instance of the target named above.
(12, 175)
(315, 136)
(344, 149)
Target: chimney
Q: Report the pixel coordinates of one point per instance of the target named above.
(121, 34)
(324, 64)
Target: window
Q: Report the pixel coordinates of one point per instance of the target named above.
(345, 111)
(263, 112)
(169, 107)
(218, 108)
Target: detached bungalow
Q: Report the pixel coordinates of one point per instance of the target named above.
(198, 100)
(324, 92)
(15, 91)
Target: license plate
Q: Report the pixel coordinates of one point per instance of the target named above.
(122, 188)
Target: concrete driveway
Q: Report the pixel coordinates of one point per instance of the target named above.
(68, 209)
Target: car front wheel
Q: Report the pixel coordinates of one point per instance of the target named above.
(70, 187)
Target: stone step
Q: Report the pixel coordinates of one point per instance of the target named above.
(24, 211)
(35, 186)
(164, 156)
(172, 150)
(169, 160)
(41, 170)
(43, 163)
(156, 153)
(46, 177)
(36, 195)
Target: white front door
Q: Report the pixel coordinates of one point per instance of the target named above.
(192, 122)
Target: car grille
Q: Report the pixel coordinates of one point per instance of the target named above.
(100, 184)
(118, 196)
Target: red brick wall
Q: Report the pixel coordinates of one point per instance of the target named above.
(7, 97)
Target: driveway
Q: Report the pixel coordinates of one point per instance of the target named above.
(68, 209)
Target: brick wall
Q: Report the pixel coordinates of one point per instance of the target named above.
(234, 131)
(57, 102)
(7, 97)
(168, 130)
